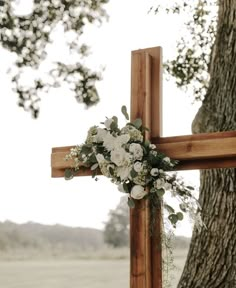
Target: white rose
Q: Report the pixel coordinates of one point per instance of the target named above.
(138, 192)
(138, 167)
(109, 141)
(159, 183)
(121, 140)
(154, 172)
(108, 122)
(136, 150)
(120, 157)
(101, 133)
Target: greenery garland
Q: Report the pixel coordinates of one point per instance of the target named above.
(135, 165)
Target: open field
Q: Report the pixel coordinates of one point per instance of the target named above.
(71, 273)
(64, 274)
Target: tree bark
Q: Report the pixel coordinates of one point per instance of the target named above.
(211, 261)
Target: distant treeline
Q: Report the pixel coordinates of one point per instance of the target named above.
(51, 240)
(33, 240)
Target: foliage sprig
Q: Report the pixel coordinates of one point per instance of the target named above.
(135, 165)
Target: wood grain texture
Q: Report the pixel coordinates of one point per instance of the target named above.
(146, 260)
(208, 146)
(199, 151)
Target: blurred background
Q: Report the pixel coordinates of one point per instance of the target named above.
(57, 233)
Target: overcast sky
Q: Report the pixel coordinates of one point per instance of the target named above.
(27, 193)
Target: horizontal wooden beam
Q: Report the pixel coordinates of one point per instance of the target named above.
(201, 151)
(59, 164)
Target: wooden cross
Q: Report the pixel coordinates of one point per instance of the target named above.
(202, 151)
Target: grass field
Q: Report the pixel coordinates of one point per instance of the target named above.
(72, 273)
(64, 274)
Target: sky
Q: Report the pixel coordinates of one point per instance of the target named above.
(27, 192)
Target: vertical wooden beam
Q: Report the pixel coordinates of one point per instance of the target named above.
(145, 256)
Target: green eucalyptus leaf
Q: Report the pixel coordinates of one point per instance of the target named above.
(111, 171)
(124, 112)
(115, 119)
(147, 143)
(182, 207)
(94, 174)
(169, 208)
(180, 216)
(126, 188)
(137, 123)
(133, 173)
(93, 158)
(86, 149)
(94, 166)
(145, 129)
(190, 187)
(173, 218)
(131, 203)
(113, 126)
(160, 192)
(68, 174)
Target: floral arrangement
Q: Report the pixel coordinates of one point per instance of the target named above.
(134, 165)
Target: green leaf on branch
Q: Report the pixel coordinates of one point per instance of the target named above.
(93, 159)
(111, 171)
(169, 208)
(86, 149)
(145, 129)
(131, 203)
(68, 174)
(115, 119)
(180, 216)
(173, 219)
(190, 187)
(94, 166)
(133, 173)
(113, 126)
(137, 123)
(124, 112)
(182, 207)
(160, 192)
(126, 188)
(147, 143)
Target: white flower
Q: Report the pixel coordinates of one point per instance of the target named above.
(154, 172)
(101, 133)
(138, 167)
(108, 122)
(154, 153)
(166, 159)
(159, 183)
(123, 172)
(138, 192)
(167, 186)
(109, 141)
(136, 150)
(121, 140)
(120, 157)
(152, 146)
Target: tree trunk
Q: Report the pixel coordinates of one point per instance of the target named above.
(211, 261)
